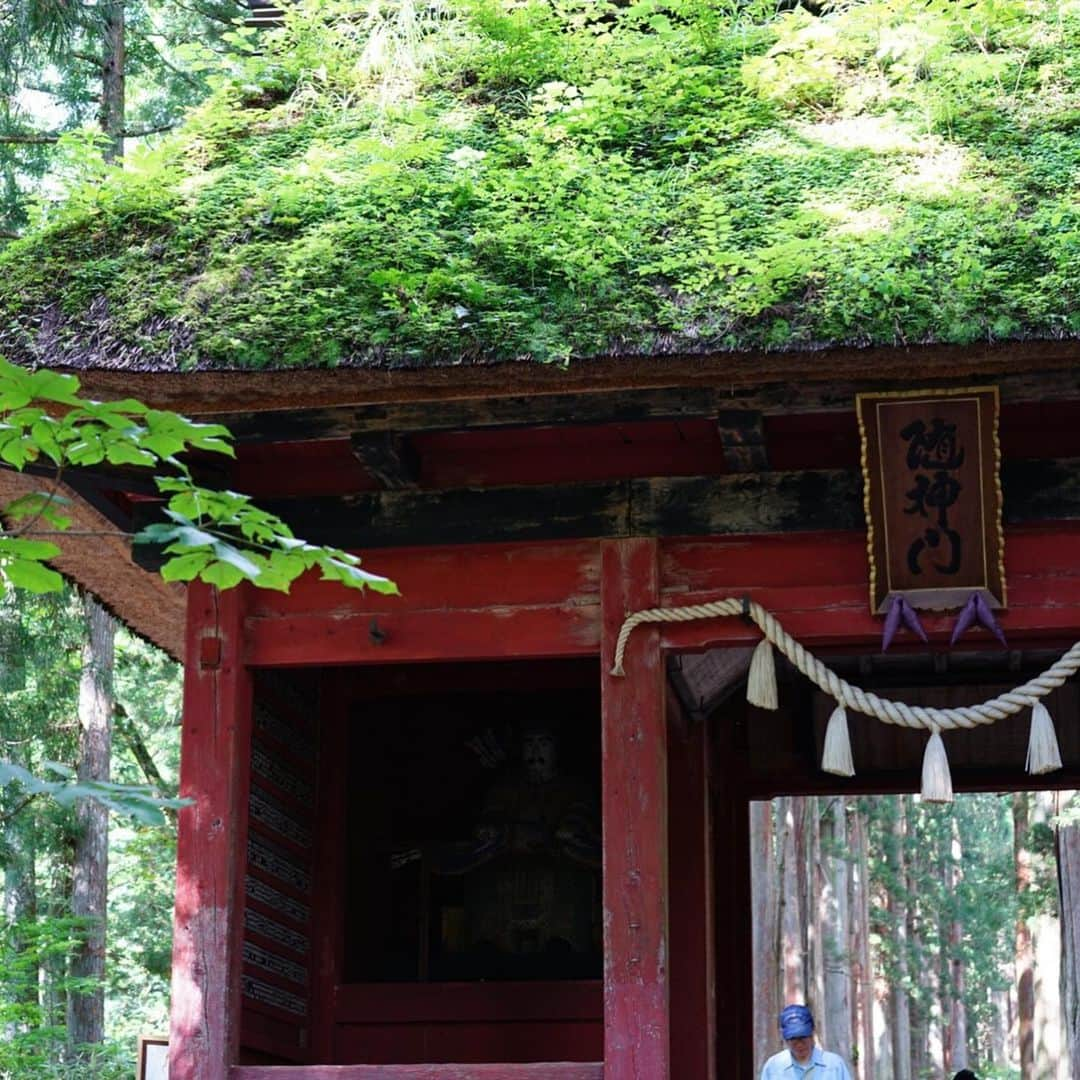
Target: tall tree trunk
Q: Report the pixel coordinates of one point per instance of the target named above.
(999, 1031)
(113, 71)
(813, 913)
(763, 866)
(791, 923)
(54, 966)
(835, 927)
(20, 909)
(900, 990)
(1025, 967)
(919, 1002)
(1050, 1044)
(1068, 866)
(958, 1051)
(862, 997)
(86, 1011)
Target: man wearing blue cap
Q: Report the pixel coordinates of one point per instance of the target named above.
(802, 1060)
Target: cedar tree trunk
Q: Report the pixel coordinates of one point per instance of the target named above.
(86, 1011)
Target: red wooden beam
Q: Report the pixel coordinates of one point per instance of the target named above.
(637, 1040)
(463, 576)
(561, 1070)
(816, 584)
(211, 839)
(415, 637)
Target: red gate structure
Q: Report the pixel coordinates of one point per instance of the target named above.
(525, 512)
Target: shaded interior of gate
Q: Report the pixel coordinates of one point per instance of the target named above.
(366, 867)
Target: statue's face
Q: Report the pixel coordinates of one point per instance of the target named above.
(539, 755)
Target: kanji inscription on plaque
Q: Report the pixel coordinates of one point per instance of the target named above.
(931, 466)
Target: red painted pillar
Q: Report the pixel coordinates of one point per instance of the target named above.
(637, 1040)
(211, 839)
(693, 941)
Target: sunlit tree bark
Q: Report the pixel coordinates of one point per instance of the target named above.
(836, 916)
(763, 864)
(793, 981)
(958, 1028)
(901, 985)
(86, 1010)
(816, 888)
(20, 906)
(862, 997)
(1051, 1053)
(1068, 865)
(1025, 969)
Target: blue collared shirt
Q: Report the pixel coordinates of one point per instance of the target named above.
(821, 1066)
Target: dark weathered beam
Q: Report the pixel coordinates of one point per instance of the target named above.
(388, 457)
(619, 406)
(534, 410)
(742, 434)
(776, 502)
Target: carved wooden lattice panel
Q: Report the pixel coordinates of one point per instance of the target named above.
(277, 930)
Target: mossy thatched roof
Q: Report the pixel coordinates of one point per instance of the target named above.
(403, 184)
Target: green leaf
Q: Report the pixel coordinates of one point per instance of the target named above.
(185, 567)
(126, 453)
(21, 547)
(228, 554)
(41, 504)
(46, 385)
(354, 577)
(16, 452)
(32, 576)
(222, 575)
(158, 532)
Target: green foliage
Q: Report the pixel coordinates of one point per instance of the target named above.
(138, 801)
(474, 179)
(218, 537)
(958, 862)
(33, 1045)
(51, 59)
(41, 638)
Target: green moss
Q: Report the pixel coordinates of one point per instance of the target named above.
(486, 181)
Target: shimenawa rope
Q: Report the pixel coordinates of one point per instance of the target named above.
(1043, 754)
(890, 712)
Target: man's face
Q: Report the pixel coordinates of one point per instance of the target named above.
(801, 1048)
(538, 756)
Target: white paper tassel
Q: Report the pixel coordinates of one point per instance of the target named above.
(936, 779)
(836, 757)
(761, 685)
(1043, 755)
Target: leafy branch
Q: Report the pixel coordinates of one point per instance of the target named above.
(219, 537)
(138, 801)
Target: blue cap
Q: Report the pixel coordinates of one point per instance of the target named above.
(796, 1022)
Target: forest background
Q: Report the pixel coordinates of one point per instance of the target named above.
(912, 929)
(926, 937)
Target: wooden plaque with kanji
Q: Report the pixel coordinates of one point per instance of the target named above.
(931, 466)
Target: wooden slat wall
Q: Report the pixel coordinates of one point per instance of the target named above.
(277, 923)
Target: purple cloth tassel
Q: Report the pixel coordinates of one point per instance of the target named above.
(911, 620)
(892, 621)
(899, 610)
(967, 616)
(986, 617)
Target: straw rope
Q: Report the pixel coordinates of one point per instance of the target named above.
(852, 697)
